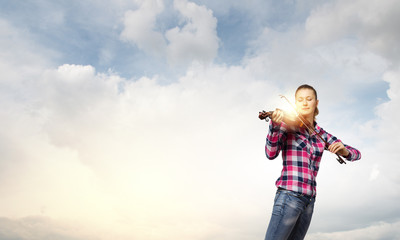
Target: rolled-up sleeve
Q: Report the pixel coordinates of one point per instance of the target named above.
(275, 137)
(354, 154)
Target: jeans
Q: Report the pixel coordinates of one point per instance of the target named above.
(291, 216)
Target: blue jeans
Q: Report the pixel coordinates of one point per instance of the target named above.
(291, 216)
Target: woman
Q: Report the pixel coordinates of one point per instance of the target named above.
(301, 153)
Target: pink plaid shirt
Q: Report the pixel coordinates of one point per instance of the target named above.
(301, 154)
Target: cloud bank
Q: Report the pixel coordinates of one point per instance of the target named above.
(90, 154)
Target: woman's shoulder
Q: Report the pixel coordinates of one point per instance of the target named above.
(319, 129)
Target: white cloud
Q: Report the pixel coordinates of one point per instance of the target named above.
(380, 231)
(18, 51)
(140, 24)
(374, 173)
(39, 228)
(386, 125)
(107, 156)
(196, 40)
(372, 22)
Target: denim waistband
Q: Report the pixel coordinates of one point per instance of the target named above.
(297, 194)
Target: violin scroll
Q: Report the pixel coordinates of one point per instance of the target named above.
(265, 115)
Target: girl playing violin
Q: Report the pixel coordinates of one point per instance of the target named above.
(301, 153)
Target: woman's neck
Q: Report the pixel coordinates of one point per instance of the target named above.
(310, 120)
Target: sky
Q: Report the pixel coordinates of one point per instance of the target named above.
(139, 119)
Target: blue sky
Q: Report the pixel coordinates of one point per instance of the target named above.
(138, 119)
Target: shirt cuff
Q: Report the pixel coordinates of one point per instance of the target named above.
(350, 156)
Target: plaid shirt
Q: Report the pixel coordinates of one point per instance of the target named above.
(301, 153)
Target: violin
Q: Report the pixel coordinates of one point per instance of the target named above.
(298, 121)
(289, 119)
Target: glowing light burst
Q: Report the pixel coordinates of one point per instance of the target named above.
(289, 108)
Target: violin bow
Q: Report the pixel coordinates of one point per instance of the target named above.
(311, 129)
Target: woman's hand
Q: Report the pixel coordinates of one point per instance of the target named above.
(339, 148)
(277, 116)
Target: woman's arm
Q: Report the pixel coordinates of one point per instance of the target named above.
(275, 138)
(336, 146)
(350, 153)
